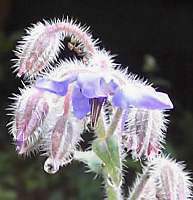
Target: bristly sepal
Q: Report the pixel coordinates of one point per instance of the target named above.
(162, 178)
(143, 132)
(40, 47)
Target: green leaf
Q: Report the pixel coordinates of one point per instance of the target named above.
(94, 163)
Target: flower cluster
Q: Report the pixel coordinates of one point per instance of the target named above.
(51, 112)
(75, 89)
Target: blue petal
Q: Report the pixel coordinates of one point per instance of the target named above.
(120, 100)
(80, 103)
(109, 87)
(57, 87)
(90, 85)
(94, 85)
(142, 98)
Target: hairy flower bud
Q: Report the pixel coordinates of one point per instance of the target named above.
(61, 142)
(62, 133)
(143, 131)
(29, 112)
(144, 187)
(40, 47)
(171, 181)
(163, 179)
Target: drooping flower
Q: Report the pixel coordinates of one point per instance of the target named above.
(42, 42)
(143, 131)
(92, 86)
(162, 178)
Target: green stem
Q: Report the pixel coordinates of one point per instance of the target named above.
(112, 192)
(107, 148)
(114, 122)
(100, 128)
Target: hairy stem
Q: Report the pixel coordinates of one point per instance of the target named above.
(138, 190)
(100, 128)
(114, 122)
(107, 148)
(112, 192)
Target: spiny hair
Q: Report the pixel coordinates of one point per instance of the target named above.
(162, 178)
(41, 45)
(143, 131)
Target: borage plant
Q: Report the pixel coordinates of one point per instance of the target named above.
(125, 113)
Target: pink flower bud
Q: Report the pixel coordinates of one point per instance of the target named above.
(172, 182)
(30, 110)
(143, 131)
(162, 178)
(40, 47)
(61, 142)
(61, 134)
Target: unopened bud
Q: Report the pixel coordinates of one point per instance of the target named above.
(143, 131)
(61, 142)
(30, 111)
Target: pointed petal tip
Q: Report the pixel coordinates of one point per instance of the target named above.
(147, 99)
(164, 98)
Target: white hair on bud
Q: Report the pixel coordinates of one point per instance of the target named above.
(162, 178)
(38, 49)
(60, 140)
(144, 187)
(102, 59)
(171, 179)
(143, 131)
(42, 42)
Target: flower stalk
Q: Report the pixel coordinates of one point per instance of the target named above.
(112, 192)
(108, 150)
(116, 118)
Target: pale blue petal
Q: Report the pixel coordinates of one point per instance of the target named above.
(148, 99)
(57, 87)
(91, 86)
(80, 103)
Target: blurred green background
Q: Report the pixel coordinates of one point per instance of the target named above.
(152, 38)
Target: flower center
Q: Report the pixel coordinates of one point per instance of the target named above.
(96, 105)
